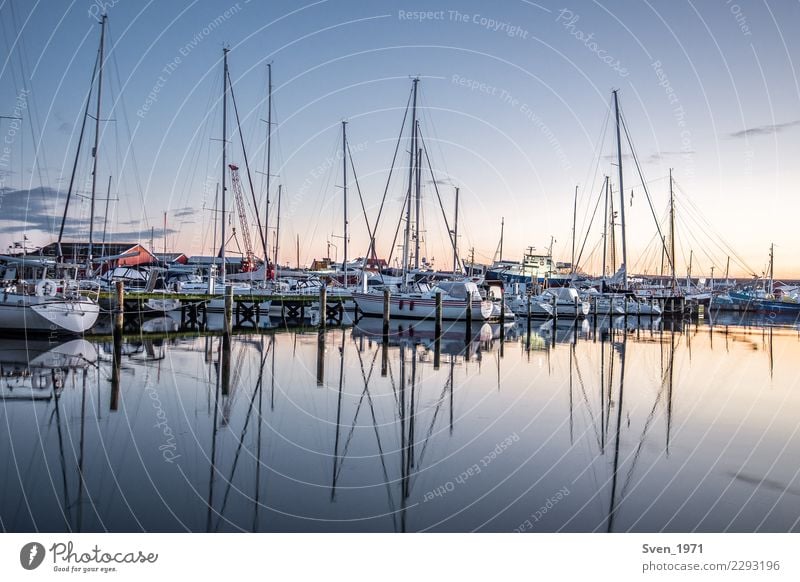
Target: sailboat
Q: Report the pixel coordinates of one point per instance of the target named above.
(44, 305)
(615, 297)
(30, 301)
(243, 286)
(418, 300)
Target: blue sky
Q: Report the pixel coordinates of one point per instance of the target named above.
(514, 99)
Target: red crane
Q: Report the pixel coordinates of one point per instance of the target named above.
(249, 259)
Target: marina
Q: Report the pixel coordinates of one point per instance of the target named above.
(366, 268)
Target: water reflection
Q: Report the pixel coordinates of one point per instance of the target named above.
(609, 425)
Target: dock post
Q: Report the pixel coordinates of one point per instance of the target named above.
(387, 295)
(555, 309)
(438, 315)
(119, 311)
(323, 307)
(577, 310)
(502, 312)
(228, 315)
(468, 328)
(437, 341)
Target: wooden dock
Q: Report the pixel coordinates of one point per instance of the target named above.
(243, 311)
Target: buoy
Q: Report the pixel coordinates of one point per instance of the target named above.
(46, 287)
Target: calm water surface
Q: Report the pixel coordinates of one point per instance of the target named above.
(649, 427)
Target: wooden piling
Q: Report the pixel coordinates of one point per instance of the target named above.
(438, 315)
(502, 309)
(323, 307)
(119, 311)
(228, 312)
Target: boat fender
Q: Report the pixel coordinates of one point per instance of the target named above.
(401, 304)
(46, 287)
(411, 306)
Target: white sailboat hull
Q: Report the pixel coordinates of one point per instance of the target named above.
(35, 314)
(412, 307)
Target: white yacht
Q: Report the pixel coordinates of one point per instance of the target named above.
(422, 304)
(43, 306)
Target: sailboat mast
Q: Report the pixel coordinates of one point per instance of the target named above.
(502, 234)
(214, 247)
(95, 149)
(605, 232)
(418, 190)
(224, 153)
(727, 270)
(613, 230)
(621, 194)
(269, 158)
(455, 237)
(59, 250)
(672, 232)
(574, 220)
(278, 229)
(105, 218)
(689, 271)
(771, 268)
(344, 174)
(412, 155)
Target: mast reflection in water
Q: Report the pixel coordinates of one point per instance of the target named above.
(601, 426)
